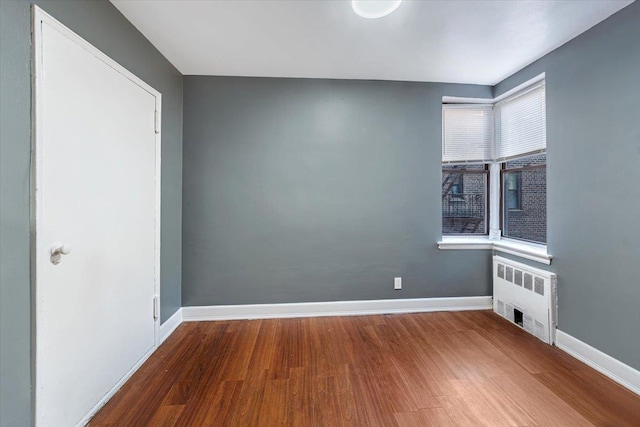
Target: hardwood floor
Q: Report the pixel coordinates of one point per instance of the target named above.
(440, 369)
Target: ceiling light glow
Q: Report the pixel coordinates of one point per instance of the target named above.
(373, 9)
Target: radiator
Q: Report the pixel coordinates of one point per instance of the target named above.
(526, 296)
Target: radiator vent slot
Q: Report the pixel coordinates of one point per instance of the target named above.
(527, 323)
(528, 281)
(508, 311)
(540, 330)
(517, 278)
(525, 296)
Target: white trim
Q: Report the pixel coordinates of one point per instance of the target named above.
(526, 250)
(169, 326)
(40, 17)
(525, 85)
(495, 199)
(334, 308)
(158, 217)
(618, 371)
(464, 242)
(463, 100)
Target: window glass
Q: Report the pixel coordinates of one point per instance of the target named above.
(464, 199)
(524, 197)
(512, 186)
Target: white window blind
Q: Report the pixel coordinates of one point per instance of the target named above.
(467, 133)
(521, 125)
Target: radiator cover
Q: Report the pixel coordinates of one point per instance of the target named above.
(526, 296)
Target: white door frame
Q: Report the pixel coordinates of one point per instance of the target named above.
(40, 18)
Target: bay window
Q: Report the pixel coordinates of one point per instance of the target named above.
(494, 168)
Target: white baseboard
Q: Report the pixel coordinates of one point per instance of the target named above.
(170, 325)
(334, 308)
(618, 371)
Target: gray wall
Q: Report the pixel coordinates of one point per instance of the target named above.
(102, 25)
(317, 190)
(593, 181)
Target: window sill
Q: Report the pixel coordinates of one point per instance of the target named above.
(526, 250)
(465, 242)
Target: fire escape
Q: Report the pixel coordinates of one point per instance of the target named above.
(462, 213)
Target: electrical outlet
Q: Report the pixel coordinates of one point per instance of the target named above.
(397, 283)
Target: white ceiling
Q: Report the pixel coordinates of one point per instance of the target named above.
(441, 41)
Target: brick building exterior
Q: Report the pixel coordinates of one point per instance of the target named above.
(525, 192)
(528, 221)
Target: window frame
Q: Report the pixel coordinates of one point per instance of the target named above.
(495, 240)
(486, 171)
(503, 171)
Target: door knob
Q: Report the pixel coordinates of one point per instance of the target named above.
(57, 250)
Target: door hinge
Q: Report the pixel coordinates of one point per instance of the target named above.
(156, 307)
(156, 122)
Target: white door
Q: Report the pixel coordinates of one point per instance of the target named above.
(96, 195)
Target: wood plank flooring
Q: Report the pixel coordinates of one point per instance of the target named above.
(432, 369)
